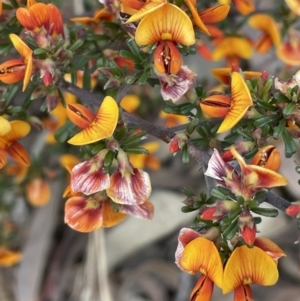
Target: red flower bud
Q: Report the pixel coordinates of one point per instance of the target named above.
(247, 227)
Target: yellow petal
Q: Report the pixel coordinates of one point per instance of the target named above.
(102, 126)
(233, 47)
(294, 6)
(5, 126)
(245, 7)
(19, 129)
(241, 101)
(149, 7)
(130, 102)
(249, 265)
(176, 27)
(201, 255)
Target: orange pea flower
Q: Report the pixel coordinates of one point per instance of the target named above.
(38, 192)
(289, 50)
(9, 258)
(251, 179)
(41, 15)
(97, 127)
(232, 49)
(232, 108)
(15, 70)
(246, 266)
(9, 143)
(210, 15)
(270, 35)
(201, 255)
(170, 26)
(268, 157)
(224, 74)
(130, 103)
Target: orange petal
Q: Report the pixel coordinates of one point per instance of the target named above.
(110, 216)
(83, 214)
(203, 289)
(18, 153)
(201, 255)
(38, 192)
(30, 3)
(35, 17)
(233, 47)
(289, 52)
(214, 14)
(241, 101)
(80, 115)
(269, 247)
(243, 293)
(148, 7)
(245, 7)
(56, 24)
(5, 126)
(12, 71)
(9, 258)
(3, 158)
(249, 265)
(196, 17)
(216, 105)
(102, 126)
(177, 27)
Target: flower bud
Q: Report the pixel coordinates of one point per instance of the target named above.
(177, 143)
(247, 227)
(243, 147)
(294, 210)
(216, 106)
(268, 157)
(217, 211)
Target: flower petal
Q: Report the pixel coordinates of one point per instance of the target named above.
(9, 258)
(176, 27)
(245, 7)
(233, 47)
(241, 101)
(201, 255)
(83, 214)
(18, 153)
(5, 126)
(110, 216)
(38, 192)
(148, 7)
(102, 126)
(144, 211)
(214, 14)
(80, 115)
(249, 265)
(203, 289)
(269, 247)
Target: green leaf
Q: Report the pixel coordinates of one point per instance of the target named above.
(289, 109)
(185, 155)
(279, 129)
(128, 55)
(269, 212)
(109, 158)
(218, 194)
(265, 120)
(289, 143)
(281, 97)
(231, 230)
(186, 209)
(187, 191)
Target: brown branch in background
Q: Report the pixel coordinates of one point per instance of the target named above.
(160, 132)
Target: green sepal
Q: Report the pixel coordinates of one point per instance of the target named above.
(186, 209)
(231, 230)
(109, 158)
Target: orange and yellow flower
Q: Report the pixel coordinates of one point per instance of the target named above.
(231, 108)
(9, 258)
(294, 6)
(97, 127)
(170, 25)
(9, 143)
(15, 70)
(232, 49)
(270, 33)
(38, 192)
(244, 7)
